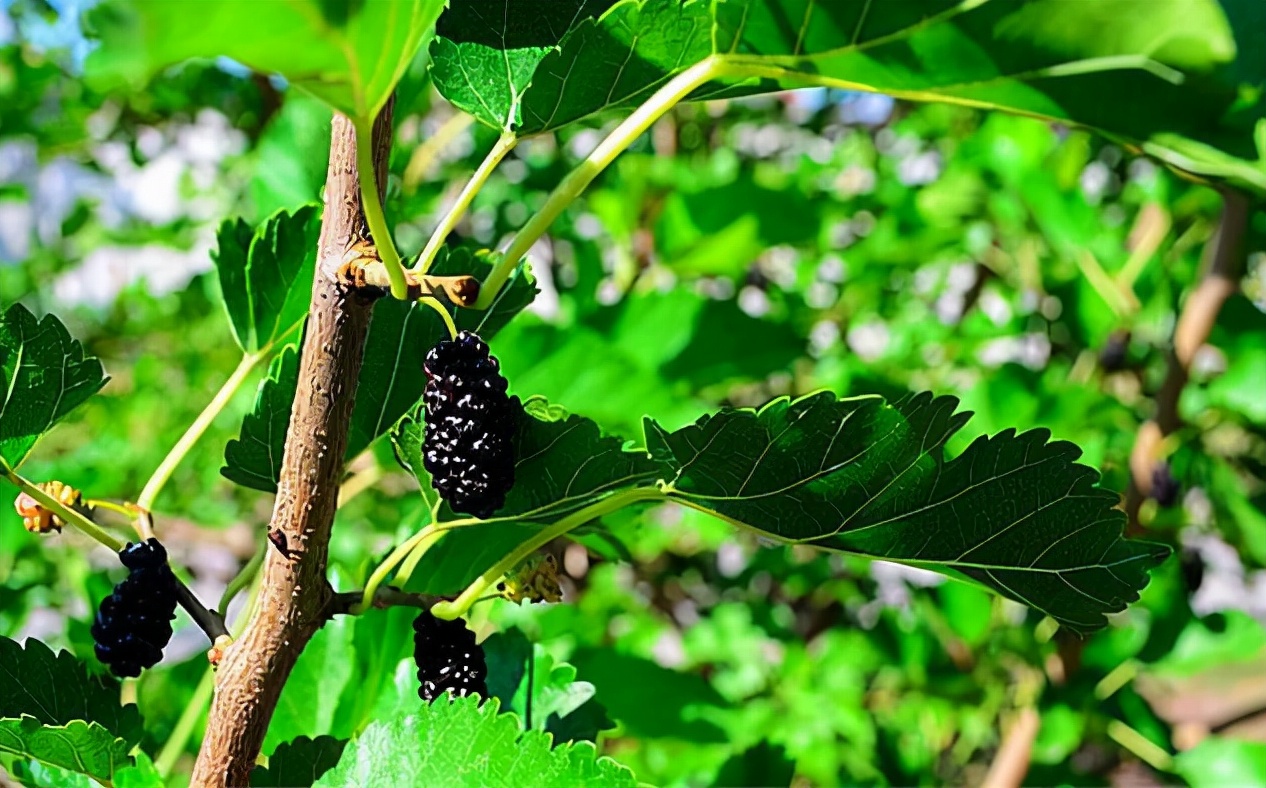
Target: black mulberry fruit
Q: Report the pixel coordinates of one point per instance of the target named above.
(133, 624)
(470, 422)
(448, 658)
(1165, 487)
(1114, 355)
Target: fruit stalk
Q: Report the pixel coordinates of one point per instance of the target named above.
(295, 596)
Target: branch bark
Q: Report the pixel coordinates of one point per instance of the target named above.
(1012, 761)
(295, 597)
(1224, 267)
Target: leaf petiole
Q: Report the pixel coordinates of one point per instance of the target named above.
(664, 99)
(505, 144)
(387, 566)
(458, 607)
(372, 207)
(168, 466)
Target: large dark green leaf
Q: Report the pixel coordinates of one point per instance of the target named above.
(53, 711)
(266, 274)
(350, 55)
(391, 377)
(461, 743)
(1014, 512)
(46, 375)
(56, 689)
(298, 763)
(1182, 79)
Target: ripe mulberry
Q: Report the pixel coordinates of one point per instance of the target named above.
(470, 422)
(1165, 487)
(448, 658)
(133, 624)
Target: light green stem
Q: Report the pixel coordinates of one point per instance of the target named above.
(505, 144)
(168, 466)
(415, 557)
(579, 178)
(451, 610)
(58, 508)
(243, 579)
(385, 568)
(175, 744)
(444, 315)
(174, 747)
(372, 206)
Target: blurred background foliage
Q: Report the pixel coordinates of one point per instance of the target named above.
(742, 250)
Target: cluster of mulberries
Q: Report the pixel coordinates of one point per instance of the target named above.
(448, 658)
(133, 624)
(470, 423)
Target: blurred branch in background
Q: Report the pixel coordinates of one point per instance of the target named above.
(1223, 269)
(1012, 762)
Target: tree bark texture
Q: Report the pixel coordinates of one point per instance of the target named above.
(295, 596)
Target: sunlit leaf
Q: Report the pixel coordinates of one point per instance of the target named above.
(350, 55)
(266, 274)
(46, 376)
(1178, 78)
(461, 743)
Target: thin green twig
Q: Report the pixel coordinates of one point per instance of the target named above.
(505, 144)
(674, 91)
(163, 472)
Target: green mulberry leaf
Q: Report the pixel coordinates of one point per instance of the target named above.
(349, 55)
(1013, 512)
(454, 744)
(298, 763)
(46, 376)
(266, 274)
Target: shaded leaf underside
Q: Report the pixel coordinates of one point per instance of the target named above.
(1169, 75)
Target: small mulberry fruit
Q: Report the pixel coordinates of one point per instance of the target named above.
(448, 658)
(133, 624)
(1114, 355)
(1165, 487)
(470, 423)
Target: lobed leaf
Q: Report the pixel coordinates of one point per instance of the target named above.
(46, 376)
(461, 743)
(56, 689)
(546, 695)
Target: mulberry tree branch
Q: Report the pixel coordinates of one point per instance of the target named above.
(295, 595)
(1224, 267)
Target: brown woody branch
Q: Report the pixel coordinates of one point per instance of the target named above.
(295, 596)
(1224, 267)
(1012, 761)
